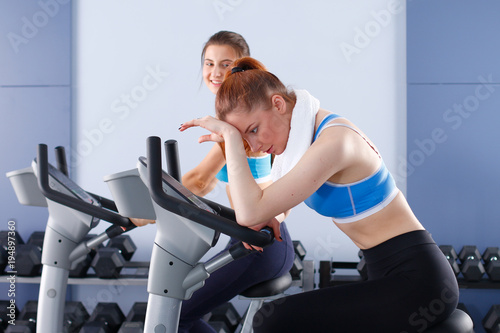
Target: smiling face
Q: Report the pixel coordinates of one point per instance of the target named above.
(264, 130)
(217, 61)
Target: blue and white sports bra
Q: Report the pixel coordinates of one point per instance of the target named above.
(352, 202)
(260, 166)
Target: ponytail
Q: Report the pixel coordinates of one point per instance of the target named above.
(249, 85)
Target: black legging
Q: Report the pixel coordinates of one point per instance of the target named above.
(410, 288)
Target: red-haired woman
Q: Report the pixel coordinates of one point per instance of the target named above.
(327, 162)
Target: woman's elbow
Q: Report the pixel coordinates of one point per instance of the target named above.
(195, 184)
(248, 220)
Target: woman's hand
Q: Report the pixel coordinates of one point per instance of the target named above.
(141, 222)
(218, 128)
(274, 224)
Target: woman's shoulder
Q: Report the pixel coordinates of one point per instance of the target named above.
(326, 116)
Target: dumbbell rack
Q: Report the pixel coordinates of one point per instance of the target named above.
(340, 279)
(140, 278)
(482, 284)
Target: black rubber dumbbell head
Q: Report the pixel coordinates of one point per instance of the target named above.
(125, 244)
(491, 257)
(472, 268)
(108, 313)
(451, 255)
(108, 263)
(491, 322)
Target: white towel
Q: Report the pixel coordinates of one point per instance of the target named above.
(300, 136)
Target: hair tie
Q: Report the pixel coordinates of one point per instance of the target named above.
(236, 70)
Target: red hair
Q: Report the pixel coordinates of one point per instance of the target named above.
(249, 88)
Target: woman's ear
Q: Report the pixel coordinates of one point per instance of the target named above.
(278, 103)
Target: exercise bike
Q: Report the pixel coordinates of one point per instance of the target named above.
(73, 212)
(187, 228)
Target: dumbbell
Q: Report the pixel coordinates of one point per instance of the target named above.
(137, 312)
(106, 318)
(491, 257)
(325, 274)
(28, 260)
(471, 266)
(75, 315)
(451, 255)
(327, 268)
(29, 311)
(361, 266)
(132, 327)
(29, 255)
(134, 322)
(4, 259)
(297, 267)
(15, 239)
(36, 238)
(224, 318)
(491, 322)
(6, 236)
(26, 322)
(125, 244)
(109, 260)
(219, 327)
(22, 326)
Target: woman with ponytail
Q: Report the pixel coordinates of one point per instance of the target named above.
(326, 161)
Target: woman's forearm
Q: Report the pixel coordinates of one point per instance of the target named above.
(245, 193)
(202, 179)
(198, 183)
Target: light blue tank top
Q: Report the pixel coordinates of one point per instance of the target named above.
(259, 166)
(352, 202)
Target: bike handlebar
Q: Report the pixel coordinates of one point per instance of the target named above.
(66, 200)
(192, 212)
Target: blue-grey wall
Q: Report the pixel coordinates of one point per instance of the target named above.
(35, 102)
(453, 60)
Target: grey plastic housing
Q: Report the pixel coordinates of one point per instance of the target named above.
(25, 185)
(130, 194)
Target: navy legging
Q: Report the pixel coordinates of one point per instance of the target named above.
(410, 288)
(234, 278)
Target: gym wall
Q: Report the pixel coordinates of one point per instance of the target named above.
(137, 73)
(453, 102)
(35, 102)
